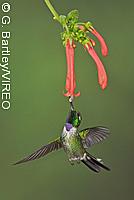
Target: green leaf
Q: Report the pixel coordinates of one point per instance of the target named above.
(74, 14)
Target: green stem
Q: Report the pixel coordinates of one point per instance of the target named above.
(53, 11)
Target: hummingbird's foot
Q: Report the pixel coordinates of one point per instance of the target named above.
(84, 157)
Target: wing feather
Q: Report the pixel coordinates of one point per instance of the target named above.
(91, 136)
(55, 145)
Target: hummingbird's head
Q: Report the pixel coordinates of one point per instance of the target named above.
(74, 118)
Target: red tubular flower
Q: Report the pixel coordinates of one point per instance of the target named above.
(104, 48)
(68, 68)
(70, 79)
(102, 76)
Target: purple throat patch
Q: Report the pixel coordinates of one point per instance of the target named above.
(68, 126)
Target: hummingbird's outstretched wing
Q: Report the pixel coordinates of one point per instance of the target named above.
(55, 145)
(91, 136)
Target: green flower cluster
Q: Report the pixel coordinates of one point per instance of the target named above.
(72, 29)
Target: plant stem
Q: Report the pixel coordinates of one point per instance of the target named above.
(53, 11)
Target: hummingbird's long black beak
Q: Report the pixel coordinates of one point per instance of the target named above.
(71, 103)
(72, 106)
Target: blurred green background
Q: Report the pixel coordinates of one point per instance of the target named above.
(38, 112)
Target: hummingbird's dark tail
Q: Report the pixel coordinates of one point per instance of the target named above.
(93, 163)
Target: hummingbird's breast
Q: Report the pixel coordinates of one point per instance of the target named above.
(72, 144)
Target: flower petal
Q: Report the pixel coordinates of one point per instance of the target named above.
(69, 94)
(102, 76)
(70, 79)
(104, 48)
(68, 66)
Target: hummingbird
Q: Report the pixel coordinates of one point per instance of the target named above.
(75, 143)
